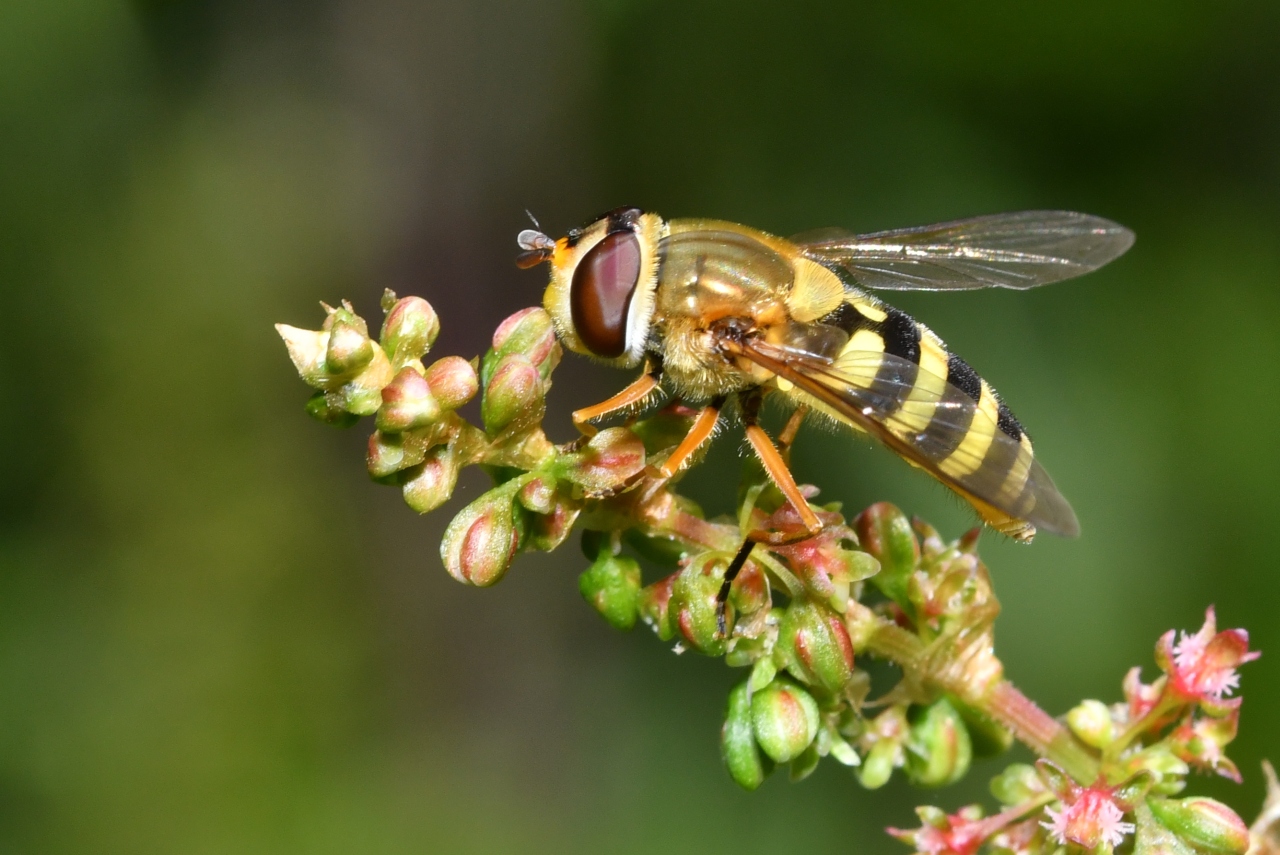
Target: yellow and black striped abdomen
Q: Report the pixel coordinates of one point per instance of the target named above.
(901, 383)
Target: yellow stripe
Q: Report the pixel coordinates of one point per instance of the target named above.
(931, 381)
(815, 291)
(967, 458)
(869, 310)
(861, 371)
(1016, 480)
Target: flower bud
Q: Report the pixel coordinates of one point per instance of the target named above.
(612, 586)
(938, 747)
(453, 381)
(738, 742)
(1091, 721)
(1017, 784)
(306, 350)
(320, 408)
(693, 605)
(785, 719)
(655, 606)
(529, 333)
(407, 403)
(878, 765)
(409, 330)
(815, 646)
(1205, 823)
(611, 459)
(482, 539)
(349, 348)
(549, 530)
(885, 533)
(432, 482)
(390, 453)
(513, 400)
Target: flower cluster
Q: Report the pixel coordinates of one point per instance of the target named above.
(799, 618)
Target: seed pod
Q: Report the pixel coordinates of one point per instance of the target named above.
(612, 586)
(349, 348)
(432, 482)
(815, 646)
(482, 539)
(693, 605)
(655, 606)
(738, 742)
(407, 403)
(938, 747)
(885, 533)
(1205, 823)
(409, 330)
(530, 333)
(784, 718)
(610, 459)
(453, 381)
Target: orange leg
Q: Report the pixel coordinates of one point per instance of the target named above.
(781, 475)
(633, 394)
(703, 426)
(790, 430)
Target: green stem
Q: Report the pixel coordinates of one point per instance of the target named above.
(1003, 702)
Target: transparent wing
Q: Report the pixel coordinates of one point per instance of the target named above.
(1019, 250)
(926, 420)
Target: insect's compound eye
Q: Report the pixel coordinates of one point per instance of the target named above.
(601, 293)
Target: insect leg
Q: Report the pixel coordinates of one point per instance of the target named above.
(790, 430)
(633, 394)
(730, 573)
(777, 469)
(703, 426)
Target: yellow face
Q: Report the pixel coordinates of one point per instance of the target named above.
(603, 279)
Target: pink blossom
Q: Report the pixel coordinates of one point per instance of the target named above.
(1202, 667)
(960, 833)
(1093, 817)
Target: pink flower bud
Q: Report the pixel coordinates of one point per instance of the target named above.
(693, 605)
(513, 400)
(482, 539)
(738, 745)
(432, 482)
(390, 453)
(654, 605)
(1206, 824)
(610, 460)
(784, 718)
(530, 333)
(815, 646)
(407, 403)
(453, 381)
(409, 329)
(938, 746)
(349, 348)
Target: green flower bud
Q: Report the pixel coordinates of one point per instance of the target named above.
(482, 539)
(885, 533)
(349, 348)
(1018, 784)
(655, 606)
(407, 403)
(785, 720)
(513, 400)
(319, 407)
(529, 333)
(938, 746)
(1091, 721)
(611, 459)
(432, 482)
(612, 586)
(409, 330)
(390, 453)
(879, 764)
(693, 605)
(738, 742)
(549, 530)
(813, 645)
(803, 766)
(1205, 823)
(453, 381)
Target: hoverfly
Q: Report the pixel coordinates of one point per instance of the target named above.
(715, 310)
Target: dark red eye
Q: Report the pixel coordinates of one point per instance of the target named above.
(601, 293)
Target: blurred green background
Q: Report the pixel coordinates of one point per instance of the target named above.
(216, 635)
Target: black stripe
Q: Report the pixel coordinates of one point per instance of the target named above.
(901, 335)
(845, 317)
(1009, 423)
(964, 378)
(949, 425)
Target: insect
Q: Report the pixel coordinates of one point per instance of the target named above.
(716, 311)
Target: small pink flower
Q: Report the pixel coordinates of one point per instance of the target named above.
(1202, 667)
(960, 833)
(1091, 818)
(1200, 743)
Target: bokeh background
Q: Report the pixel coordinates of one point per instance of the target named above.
(216, 635)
